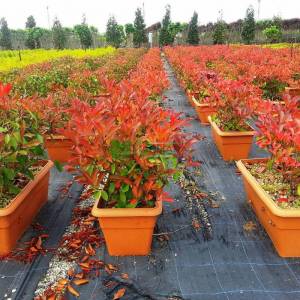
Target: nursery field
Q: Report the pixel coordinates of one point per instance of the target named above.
(13, 59)
(139, 173)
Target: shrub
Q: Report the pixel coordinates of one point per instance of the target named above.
(279, 133)
(273, 34)
(21, 146)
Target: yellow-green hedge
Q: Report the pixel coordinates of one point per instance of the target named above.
(10, 59)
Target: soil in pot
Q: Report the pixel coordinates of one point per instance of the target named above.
(232, 145)
(280, 219)
(19, 213)
(127, 231)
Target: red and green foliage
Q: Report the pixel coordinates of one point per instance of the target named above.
(279, 133)
(129, 140)
(21, 146)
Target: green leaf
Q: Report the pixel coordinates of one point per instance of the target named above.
(9, 174)
(58, 166)
(298, 190)
(124, 188)
(2, 130)
(14, 189)
(7, 138)
(104, 195)
(111, 188)
(113, 168)
(120, 150)
(89, 169)
(97, 195)
(122, 198)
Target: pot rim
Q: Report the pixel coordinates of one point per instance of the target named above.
(15, 202)
(197, 103)
(126, 212)
(265, 197)
(230, 133)
(54, 137)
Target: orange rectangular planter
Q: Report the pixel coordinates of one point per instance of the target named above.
(282, 225)
(232, 145)
(293, 91)
(18, 215)
(204, 110)
(59, 148)
(127, 231)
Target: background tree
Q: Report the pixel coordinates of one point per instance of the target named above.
(220, 32)
(30, 23)
(129, 28)
(165, 36)
(59, 35)
(273, 34)
(5, 35)
(139, 34)
(248, 31)
(84, 33)
(193, 34)
(113, 33)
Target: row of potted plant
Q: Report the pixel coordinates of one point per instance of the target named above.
(259, 66)
(124, 148)
(26, 123)
(272, 185)
(85, 79)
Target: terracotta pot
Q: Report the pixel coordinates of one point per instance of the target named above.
(127, 231)
(282, 225)
(293, 91)
(204, 110)
(233, 145)
(18, 215)
(59, 148)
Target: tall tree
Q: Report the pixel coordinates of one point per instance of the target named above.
(165, 36)
(193, 34)
(113, 33)
(248, 31)
(5, 35)
(59, 35)
(84, 33)
(139, 33)
(30, 23)
(219, 34)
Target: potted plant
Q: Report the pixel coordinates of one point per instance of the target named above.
(235, 100)
(126, 149)
(24, 173)
(273, 185)
(201, 99)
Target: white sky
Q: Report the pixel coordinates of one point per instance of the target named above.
(97, 11)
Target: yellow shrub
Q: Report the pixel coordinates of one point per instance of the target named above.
(10, 59)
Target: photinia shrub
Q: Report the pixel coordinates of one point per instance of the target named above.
(137, 144)
(279, 133)
(128, 139)
(21, 146)
(235, 101)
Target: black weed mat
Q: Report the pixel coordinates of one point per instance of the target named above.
(212, 249)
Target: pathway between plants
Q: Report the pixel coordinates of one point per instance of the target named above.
(208, 246)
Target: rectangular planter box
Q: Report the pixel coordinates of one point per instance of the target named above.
(18, 215)
(59, 148)
(204, 110)
(282, 225)
(127, 231)
(232, 145)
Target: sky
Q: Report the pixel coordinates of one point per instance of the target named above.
(97, 12)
